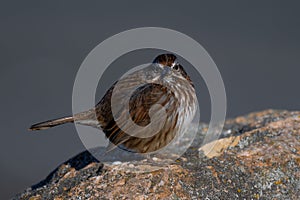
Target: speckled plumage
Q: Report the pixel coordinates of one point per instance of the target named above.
(163, 83)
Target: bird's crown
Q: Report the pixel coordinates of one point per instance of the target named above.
(165, 59)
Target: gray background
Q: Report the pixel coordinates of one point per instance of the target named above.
(255, 44)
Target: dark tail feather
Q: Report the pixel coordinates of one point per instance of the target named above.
(51, 123)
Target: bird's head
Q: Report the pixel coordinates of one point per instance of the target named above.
(170, 67)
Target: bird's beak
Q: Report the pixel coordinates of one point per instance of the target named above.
(164, 72)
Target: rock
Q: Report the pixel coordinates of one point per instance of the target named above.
(256, 157)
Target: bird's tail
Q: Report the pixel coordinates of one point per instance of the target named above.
(51, 123)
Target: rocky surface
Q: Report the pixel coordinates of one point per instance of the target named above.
(256, 157)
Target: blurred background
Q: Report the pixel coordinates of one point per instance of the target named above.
(255, 45)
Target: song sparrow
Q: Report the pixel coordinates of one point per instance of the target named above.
(163, 83)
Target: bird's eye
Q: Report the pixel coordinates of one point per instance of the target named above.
(175, 67)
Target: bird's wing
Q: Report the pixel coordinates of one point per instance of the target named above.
(140, 103)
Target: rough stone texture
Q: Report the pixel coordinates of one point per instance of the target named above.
(256, 157)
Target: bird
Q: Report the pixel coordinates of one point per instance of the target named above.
(161, 94)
